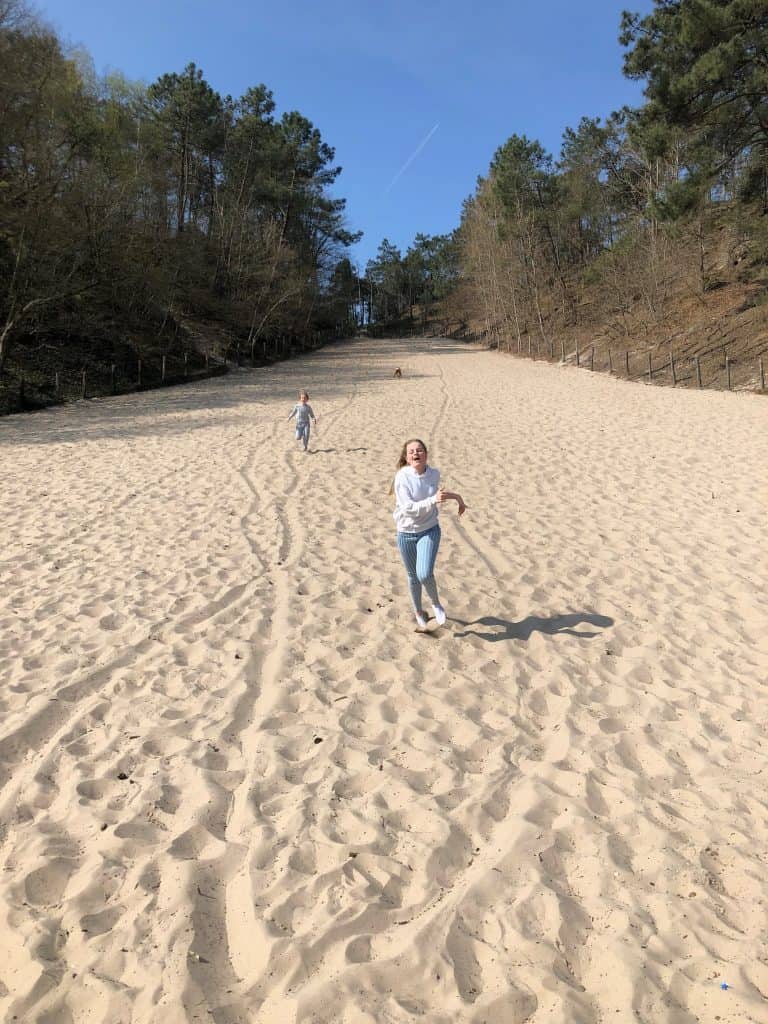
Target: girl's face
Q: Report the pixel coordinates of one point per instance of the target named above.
(303, 398)
(416, 456)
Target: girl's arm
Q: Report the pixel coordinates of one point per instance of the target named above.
(293, 413)
(452, 496)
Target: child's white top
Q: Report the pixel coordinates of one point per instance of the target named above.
(416, 507)
(302, 411)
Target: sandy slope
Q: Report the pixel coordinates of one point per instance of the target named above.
(237, 786)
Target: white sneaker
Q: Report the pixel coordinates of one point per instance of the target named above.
(439, 614)
(421, 621)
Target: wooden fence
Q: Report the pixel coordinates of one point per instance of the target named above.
(725, 372)
(36, 388)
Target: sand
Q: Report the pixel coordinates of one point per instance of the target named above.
(237, 786)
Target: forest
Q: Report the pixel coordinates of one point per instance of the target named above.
(168, 223)
(151, 220)
(647, 234)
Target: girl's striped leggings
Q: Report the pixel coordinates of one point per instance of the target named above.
(418, 552)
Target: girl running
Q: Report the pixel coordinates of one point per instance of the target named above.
(418, 497)
(303, 413)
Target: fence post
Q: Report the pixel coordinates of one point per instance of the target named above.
(592, 358)
(562, 350)
(551, 349)
(207, 360)
(21, 393)
(84, 387)
(163, 371)
(762, 375)
(626, 362)
(578, 358)
(186, 362)
(728, 370)
(112, 378)
(530, 345)
(698, 371)
(672, 367)
(650, 369)
(610, 362)
(56, 384)
(138, 375)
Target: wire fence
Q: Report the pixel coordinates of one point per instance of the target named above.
(38, 382)
(713, 367)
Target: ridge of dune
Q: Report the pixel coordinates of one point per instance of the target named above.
(235, 785)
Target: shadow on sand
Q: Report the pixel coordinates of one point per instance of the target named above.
(502, 629)
(331, 451)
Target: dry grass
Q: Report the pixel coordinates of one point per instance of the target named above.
(718, 315)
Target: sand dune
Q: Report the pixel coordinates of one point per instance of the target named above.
(238, 787)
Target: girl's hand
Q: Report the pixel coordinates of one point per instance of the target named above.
(451, 496)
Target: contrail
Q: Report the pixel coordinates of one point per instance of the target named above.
(412, 157)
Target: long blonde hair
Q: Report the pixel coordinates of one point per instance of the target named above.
(403, 461)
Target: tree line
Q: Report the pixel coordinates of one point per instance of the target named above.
(129, 211)
(639, 207)
(125, 207)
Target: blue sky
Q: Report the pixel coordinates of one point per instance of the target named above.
(375, 78)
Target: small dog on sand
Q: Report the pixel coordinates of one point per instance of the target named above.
(398, 372)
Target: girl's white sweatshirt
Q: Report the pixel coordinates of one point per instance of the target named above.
(416, 507)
